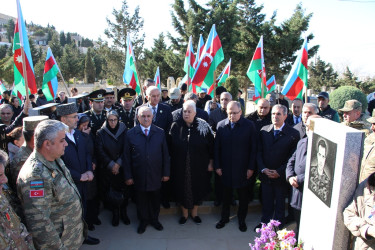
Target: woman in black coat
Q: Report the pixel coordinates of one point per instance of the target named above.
(191, 143)
(109, 148)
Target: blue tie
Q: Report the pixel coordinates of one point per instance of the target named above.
(276, 133)
(232, 125)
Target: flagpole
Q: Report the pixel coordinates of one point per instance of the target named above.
(66, 87)
(306, 100)
(24, 72)
(140, 83)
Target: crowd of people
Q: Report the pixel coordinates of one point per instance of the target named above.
(162, 146)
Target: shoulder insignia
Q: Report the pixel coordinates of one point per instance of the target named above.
(37, 193)
(38, 168)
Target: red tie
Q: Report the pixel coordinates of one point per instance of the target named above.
(146, 131)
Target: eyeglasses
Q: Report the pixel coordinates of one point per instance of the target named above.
(112, 120)
(234, 113)
(73, 117)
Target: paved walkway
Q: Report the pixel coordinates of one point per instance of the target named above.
(174, 236)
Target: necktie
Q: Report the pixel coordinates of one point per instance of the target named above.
(232, 125)
(154, 113)
(127, 114)
(276, 133)
(146, 132)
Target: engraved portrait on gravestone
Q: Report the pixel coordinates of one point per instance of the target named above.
(322, 168)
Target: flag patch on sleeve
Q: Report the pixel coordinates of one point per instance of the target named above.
(37, 184)
(37, 193)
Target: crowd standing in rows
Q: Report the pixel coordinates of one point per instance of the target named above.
(154, 149)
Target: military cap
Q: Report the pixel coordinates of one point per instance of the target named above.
(66, 109)
(372, 118)
(324, 95)
(97, 95)
(126, 93)
(164, 89)
(109, 92)
(30, 123)
(174, 93)
(220, 90)
(350, 105)
(203, 90)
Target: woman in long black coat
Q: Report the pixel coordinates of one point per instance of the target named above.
(191, 144)
(109, 148)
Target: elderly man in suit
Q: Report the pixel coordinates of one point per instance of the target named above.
(307, 110)
(235, 152)
(147, 165)
(278, 142)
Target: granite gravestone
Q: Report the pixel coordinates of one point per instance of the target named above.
(332, 169)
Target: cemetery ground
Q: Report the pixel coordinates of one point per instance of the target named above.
(178, 237)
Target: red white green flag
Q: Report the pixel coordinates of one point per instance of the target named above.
(257, 69)
(212, 56)
(157, 78)
(21, 46)
(224, 74)
(271, 84)
(130, 75)
(50, 82)
(189, 61)
(296, 83)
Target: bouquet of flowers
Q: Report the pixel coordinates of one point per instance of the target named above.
(271, 239)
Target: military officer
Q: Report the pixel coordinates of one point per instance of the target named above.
(13, 234)
(29, 125)
(353, 116)
(97, 113)
(127, 96)
(50, 199)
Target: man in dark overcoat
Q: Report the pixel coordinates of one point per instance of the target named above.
(147, 164)
(277, 143)
(235, 153)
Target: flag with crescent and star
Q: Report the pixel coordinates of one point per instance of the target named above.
(211, 57)
(50, 82)
(157, 79)
(257, 70)
(130, 75)
(21, 41)
(271, 84)
(296, 83)
(189, 61)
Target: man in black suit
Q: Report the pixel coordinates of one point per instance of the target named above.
(162, 117)
(220, 114)
(139, 100)
(262, 116)
(278, 142)
(146, 160)
(235, 152)
(295, 117)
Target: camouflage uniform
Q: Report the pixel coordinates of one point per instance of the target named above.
(52, 204)
(368, 159)
(13, 234)
(16, 165)
(361, 124)
(14, 201)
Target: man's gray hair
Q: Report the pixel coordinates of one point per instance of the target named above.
(144, 108)
(189, 103)
(227, 93)
(190, 96)
(311, 106)
(3, 158)
(151, 88)
(47, 130)
(4, 106)
(282, 107)
(235, 103)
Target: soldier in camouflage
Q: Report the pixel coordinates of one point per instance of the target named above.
(51, 201)
(353, 116)
(13, 234)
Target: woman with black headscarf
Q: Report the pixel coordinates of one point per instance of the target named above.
(109, 148)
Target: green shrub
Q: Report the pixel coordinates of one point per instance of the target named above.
(339, 96)
(231, 84)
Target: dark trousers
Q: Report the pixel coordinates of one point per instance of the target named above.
(218, 187)
(148, 206)
(243, 200)
(297, 217)
(273, 206)
(165, 191)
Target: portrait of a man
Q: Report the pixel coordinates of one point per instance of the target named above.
(323, 157)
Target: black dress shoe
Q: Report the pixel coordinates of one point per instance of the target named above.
(124, 217)
(217, 203)
(158, 226)
(258, 226)
(182, 220)
(242, 226)
(91, 227)
(141, 228)
(97, 221)
(91, 241)
(165, 204)
(197, 220)
(116, 217)
(221, 223)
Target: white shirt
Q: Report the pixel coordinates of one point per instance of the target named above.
(143, 130)
(281, 128)
(70, 136)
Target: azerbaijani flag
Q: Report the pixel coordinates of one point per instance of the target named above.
(257, 69)
(224, 74)
(200, 48)
(130, 75)
(271, 84)
(157, 78)
(21, 40)
(297, 79)
(211, 57)
(256, 96)
(50, 83)
(189, 60)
